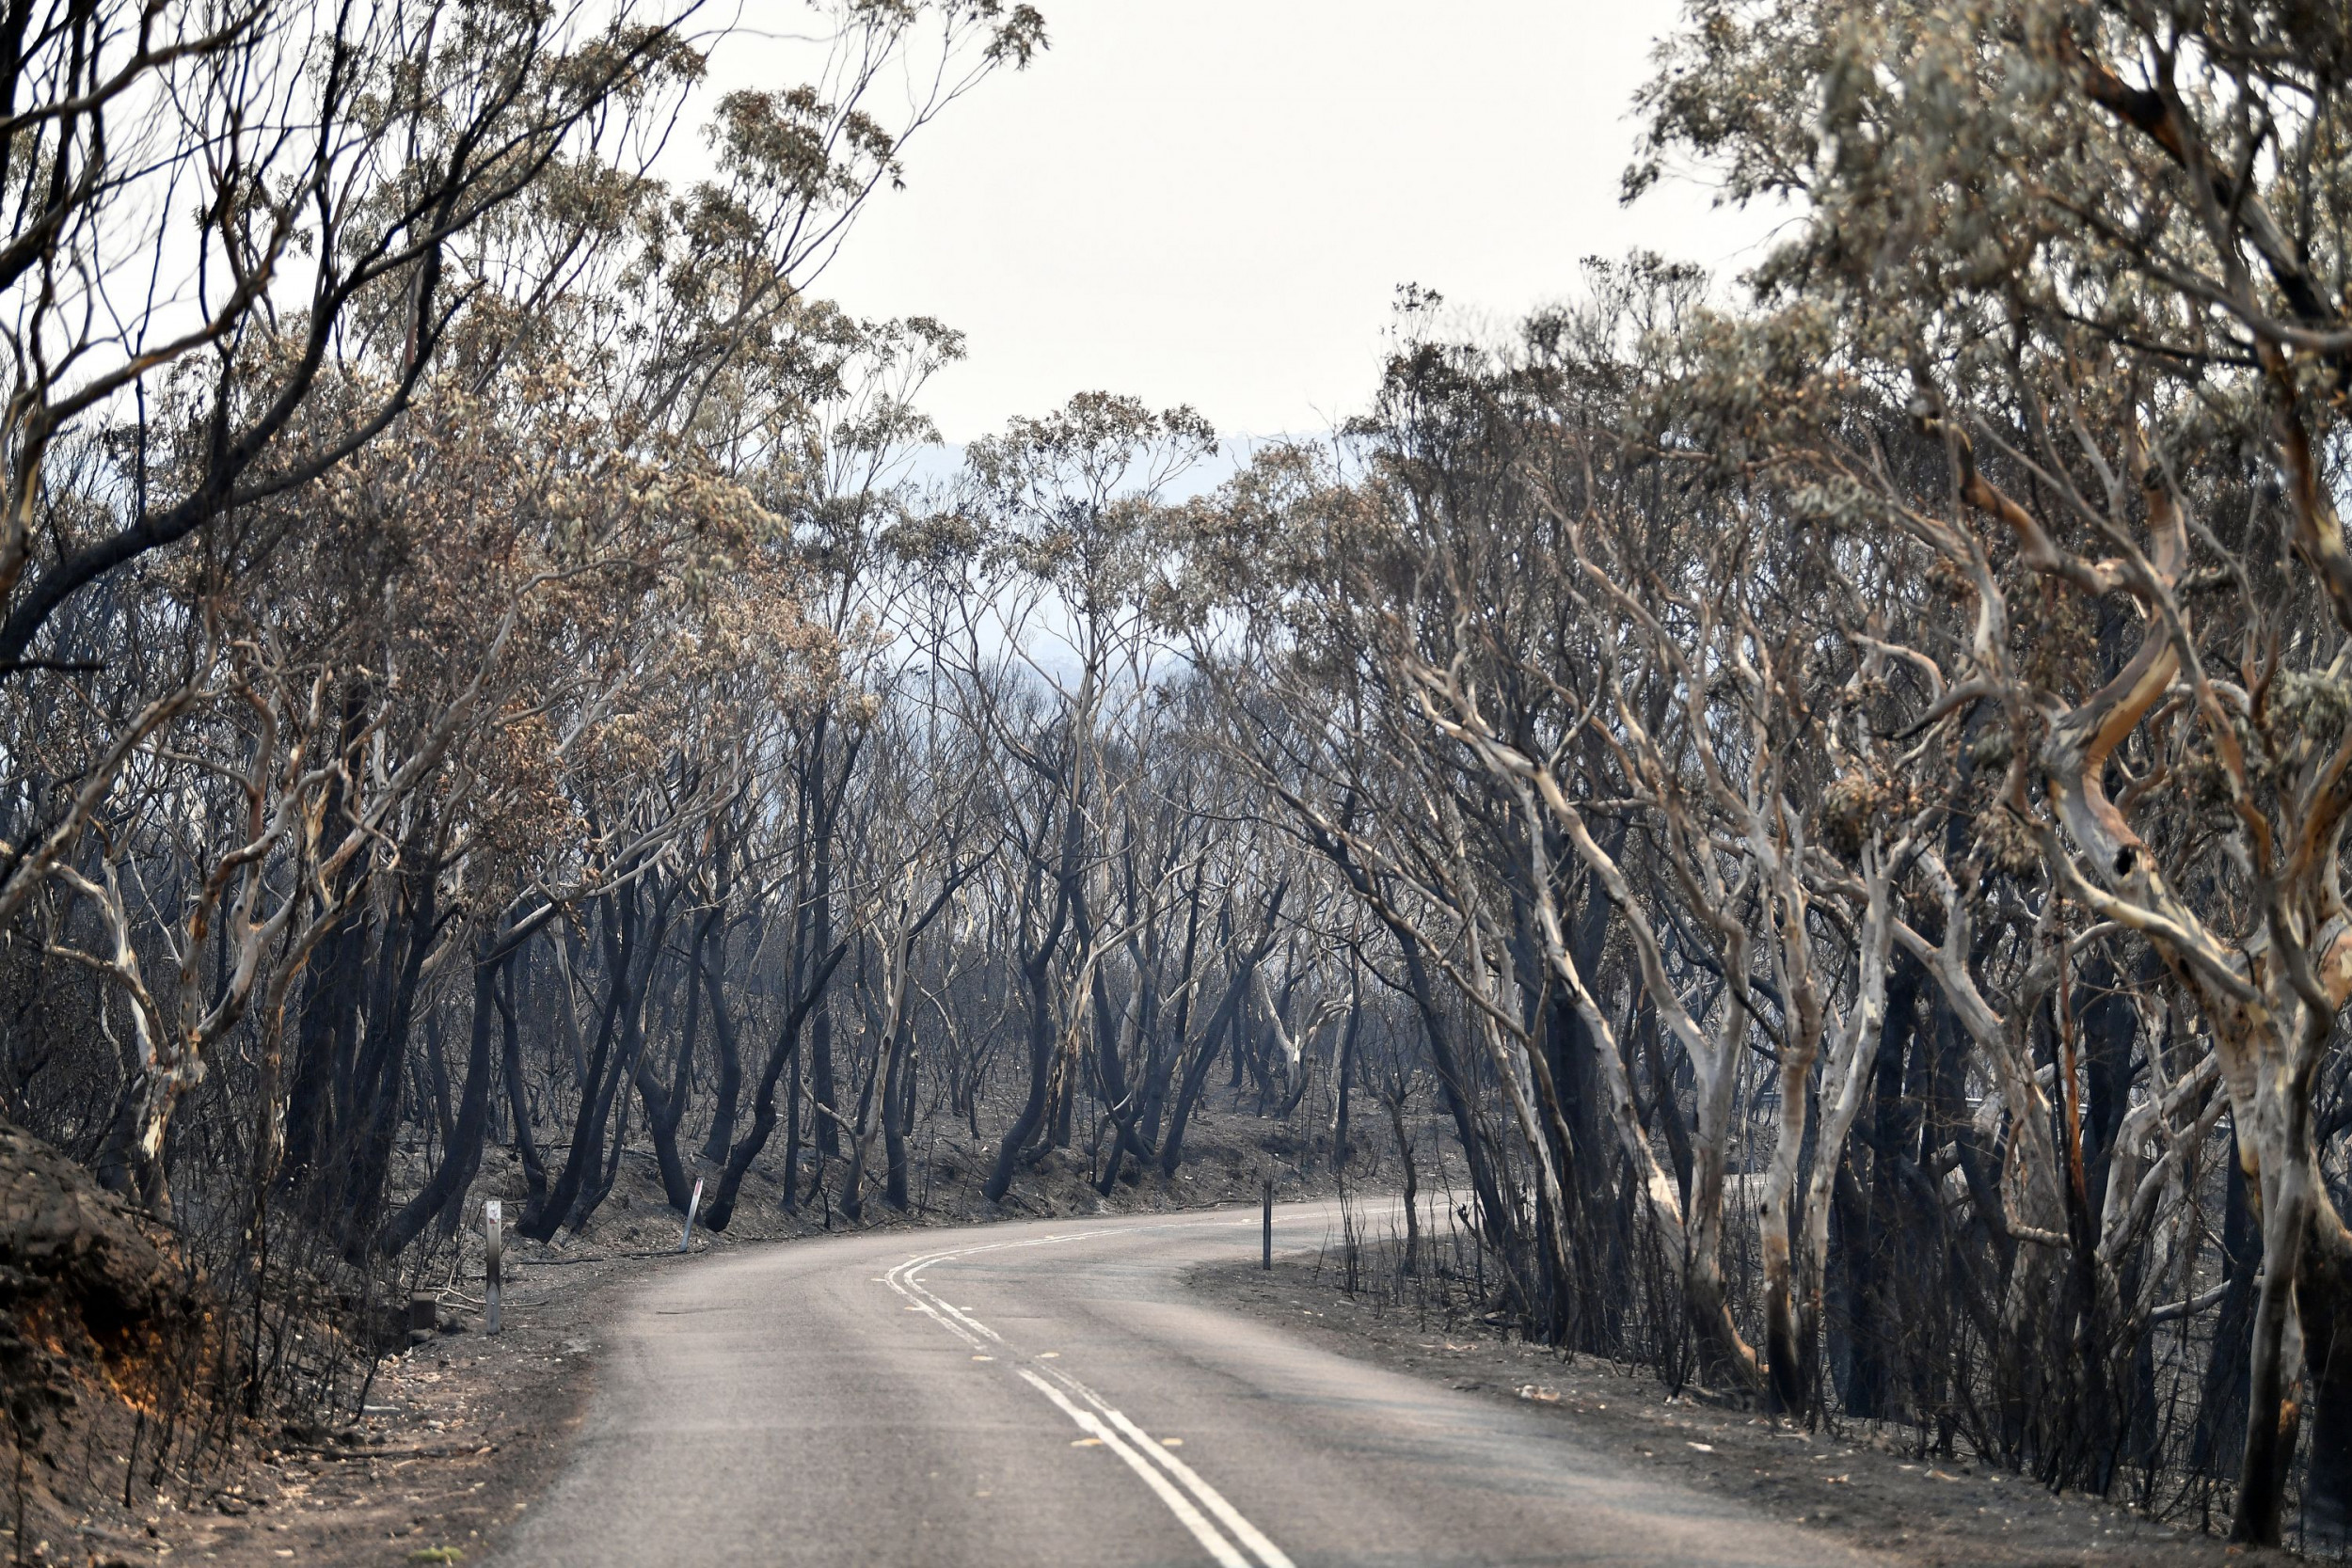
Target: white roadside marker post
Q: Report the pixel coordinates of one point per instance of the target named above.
(493, 1243)
(424, 1316)
(692, 1204)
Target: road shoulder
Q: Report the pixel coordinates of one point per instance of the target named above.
(460, 1435)
(1930, 1511)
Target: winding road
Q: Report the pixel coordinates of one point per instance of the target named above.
(1050, 1393)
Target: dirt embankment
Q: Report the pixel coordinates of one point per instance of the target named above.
(106, 1339)
(1935, 1513)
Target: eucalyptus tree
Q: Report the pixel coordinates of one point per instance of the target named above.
(2096, 251)
(1064, 659)
(395, 595)
(308, 170)
(1603, 727)
(1301, 590)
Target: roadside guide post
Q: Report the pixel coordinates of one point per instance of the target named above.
(1265, 1234)
(692, 1205)
(493, 1242)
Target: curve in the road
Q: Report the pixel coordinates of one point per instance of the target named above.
(849, 1402)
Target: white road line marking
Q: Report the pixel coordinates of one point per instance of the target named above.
(1178, 1504)
(1230, 1516)
(1111, 1427)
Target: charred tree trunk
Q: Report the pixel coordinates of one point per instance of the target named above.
(601, 1073)
(1036, 973)
(2324, 1295)
(517, 1094)
(368, 1146)
(1393, 1100)
(461, 1156)
(812, 979)
(726, 1048)
(1343, 1076)
(665, 1106)
(897, 1116)
(1226, 1018)
(825, 1134)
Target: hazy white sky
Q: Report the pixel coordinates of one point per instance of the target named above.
(1212, 201)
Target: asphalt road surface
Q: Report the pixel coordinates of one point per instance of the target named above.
(1049, 1393)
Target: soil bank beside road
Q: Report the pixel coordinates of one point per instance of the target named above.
(1937, 1513)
